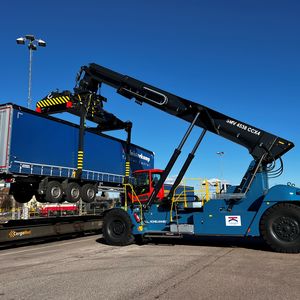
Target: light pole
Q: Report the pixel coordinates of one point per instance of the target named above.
(32, 46)
(221, 153)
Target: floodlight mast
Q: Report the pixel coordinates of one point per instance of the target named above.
(32, 46)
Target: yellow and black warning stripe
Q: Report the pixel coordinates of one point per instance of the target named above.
(53, 101)
(127, 168)
(80, 160)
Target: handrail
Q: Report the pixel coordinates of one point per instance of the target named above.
(199, 187)
(134, 195)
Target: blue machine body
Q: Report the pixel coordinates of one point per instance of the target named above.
(216, 217)
(41, 145)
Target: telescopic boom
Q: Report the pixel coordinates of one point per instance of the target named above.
(263, 146)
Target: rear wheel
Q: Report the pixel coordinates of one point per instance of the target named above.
(88, 193)
(22, 192)
(73, 192)
(22, 196)
(280, 228)
(54, 192)
(117, 228)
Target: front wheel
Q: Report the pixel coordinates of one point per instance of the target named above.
(280, 227)
(117, 228)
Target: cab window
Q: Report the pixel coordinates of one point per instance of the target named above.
(155, 178)
(141, 183)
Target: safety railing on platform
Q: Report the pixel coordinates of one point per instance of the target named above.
(195, 190)
(203, 188)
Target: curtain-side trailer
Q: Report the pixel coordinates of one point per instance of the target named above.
(38, 156)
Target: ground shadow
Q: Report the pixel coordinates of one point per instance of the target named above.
(211, 241)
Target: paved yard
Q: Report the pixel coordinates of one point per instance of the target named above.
(85, 268)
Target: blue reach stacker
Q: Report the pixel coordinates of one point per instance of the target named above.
(250, 209)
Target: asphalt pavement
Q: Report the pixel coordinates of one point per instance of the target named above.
(86, 268)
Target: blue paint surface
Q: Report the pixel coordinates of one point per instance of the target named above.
(36, 139)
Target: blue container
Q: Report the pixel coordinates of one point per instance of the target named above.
(34, 144)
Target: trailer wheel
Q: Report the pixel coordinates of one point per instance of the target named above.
(88, 193)
(22, 196)
(54, 192)
(22, 192)
(73, 192)
(117, 228)
(280, 228)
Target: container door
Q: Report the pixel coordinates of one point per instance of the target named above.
(5, 120)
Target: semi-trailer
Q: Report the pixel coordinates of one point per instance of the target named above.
(38, 157)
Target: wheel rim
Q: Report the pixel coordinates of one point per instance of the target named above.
(117, 228)
(90, 193)
(75, 193)
(56, 192)
(286, 229)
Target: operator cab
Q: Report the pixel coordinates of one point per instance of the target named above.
(144, 184)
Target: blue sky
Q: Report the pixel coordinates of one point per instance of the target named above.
(241, 58)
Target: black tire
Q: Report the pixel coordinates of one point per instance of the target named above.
(54, 192)
(88, 193)
(117, 228)
(72, 192)
(280, 228)
(22, 192)
(22, 196)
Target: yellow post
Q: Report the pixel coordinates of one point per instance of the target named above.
(184, 194)
(125, 193)
(206, 190)
(217, 187)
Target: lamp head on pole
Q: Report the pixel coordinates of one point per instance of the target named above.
(20, 41)
(41, 43)
(32, 44)
(29, 37)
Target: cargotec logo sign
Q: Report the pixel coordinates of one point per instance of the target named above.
(233, 221)
(19, 233)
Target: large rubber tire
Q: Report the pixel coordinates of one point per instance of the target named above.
(72, 192)
(23, 196)
(280, 228)
(117, 228)
(88, 193)
(22, 192)
(54, 192)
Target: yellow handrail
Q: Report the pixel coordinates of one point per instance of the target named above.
(134, 196)
(172, 204)
(201, 188)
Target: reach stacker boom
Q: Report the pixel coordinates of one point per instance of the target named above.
(250, 209)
